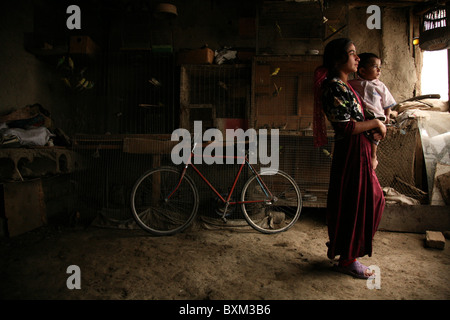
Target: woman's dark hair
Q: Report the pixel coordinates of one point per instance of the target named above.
(335, 55)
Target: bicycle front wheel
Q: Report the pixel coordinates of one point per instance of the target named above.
(272, 202)
(152, 207)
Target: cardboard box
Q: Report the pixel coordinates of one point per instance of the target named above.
(83, 45)
(231, 123)
(22, 207)
(198, 56)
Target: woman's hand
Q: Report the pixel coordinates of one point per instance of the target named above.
(375, 126)
(380, 131)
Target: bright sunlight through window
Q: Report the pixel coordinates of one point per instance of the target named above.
(435, 73)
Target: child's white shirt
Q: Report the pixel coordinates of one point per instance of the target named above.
(375, 95)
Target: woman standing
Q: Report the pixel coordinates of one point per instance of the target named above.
(355, 198)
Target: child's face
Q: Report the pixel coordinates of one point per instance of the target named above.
(372, 71)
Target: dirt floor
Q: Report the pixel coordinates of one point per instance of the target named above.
(214, 263)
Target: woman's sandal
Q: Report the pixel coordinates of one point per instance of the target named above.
(356, 269)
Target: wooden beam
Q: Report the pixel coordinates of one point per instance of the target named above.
(388, 3)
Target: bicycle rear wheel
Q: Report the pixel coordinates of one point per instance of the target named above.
(264, 214)
(151, 208)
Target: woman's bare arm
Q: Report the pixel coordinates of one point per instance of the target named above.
(368, 125)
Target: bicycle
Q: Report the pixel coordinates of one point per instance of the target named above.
(165, 200)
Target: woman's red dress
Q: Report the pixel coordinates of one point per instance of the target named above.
(355, 198)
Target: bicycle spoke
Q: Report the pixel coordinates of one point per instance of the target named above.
(157, 214)
(274, 214)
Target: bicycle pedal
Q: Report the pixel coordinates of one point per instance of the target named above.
(221, 212)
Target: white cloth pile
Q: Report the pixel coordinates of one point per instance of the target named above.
(38, 136)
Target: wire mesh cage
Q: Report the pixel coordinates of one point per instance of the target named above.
(212, 93)
(220, 96)
(141, 92)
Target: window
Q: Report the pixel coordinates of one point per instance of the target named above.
(435, 73)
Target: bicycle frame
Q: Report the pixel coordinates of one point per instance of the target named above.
(227, 200)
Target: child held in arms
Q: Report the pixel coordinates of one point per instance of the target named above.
(375, 96)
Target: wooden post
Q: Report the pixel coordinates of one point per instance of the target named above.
(448, 68)
(156, 183)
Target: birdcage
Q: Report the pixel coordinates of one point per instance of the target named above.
(435, 29)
